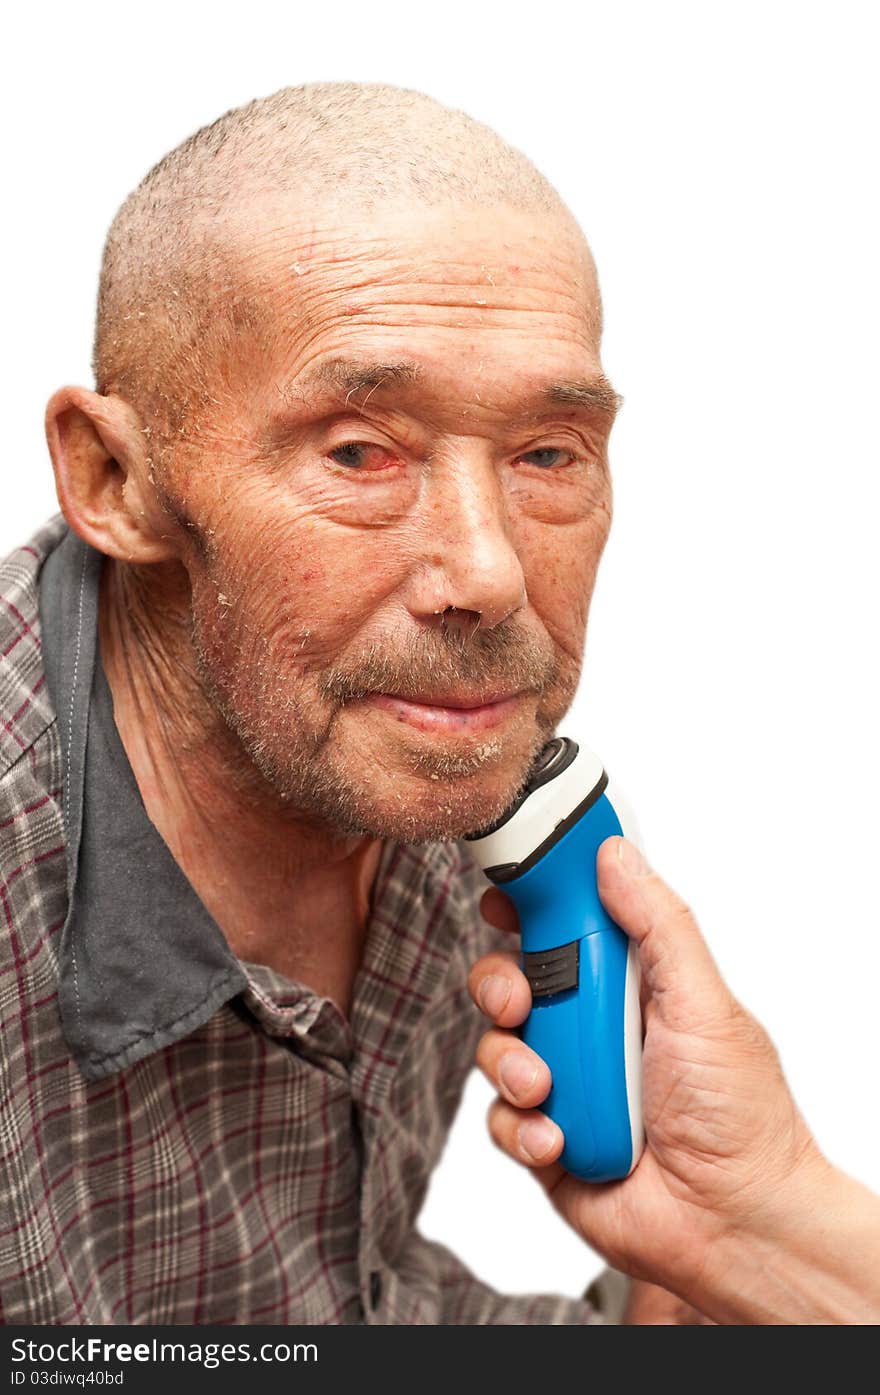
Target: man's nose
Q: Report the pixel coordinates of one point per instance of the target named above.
(470, 564)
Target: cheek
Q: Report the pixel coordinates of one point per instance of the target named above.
(297, 589)
(560, 567)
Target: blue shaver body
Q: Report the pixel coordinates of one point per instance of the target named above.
(585, 1020)
(580, 1031)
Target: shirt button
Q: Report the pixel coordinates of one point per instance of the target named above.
(375, 1289)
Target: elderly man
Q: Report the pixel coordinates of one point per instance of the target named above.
(333, 518)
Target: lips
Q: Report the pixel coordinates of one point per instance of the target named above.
(452, 713)
(458, 700)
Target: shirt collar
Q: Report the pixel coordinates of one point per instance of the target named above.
(142, 962)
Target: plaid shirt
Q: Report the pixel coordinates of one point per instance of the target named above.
(247, 1155)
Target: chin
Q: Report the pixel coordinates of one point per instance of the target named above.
(437, 793)
(446, 818)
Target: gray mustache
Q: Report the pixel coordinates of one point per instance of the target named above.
(484, 659)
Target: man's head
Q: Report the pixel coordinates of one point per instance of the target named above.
(351, 411)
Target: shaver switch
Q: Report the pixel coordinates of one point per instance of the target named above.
(552, 971)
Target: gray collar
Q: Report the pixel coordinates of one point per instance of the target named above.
(143, 964)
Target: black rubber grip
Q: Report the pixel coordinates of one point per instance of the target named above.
(551, 971)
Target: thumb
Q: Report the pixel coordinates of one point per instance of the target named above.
(679, 972)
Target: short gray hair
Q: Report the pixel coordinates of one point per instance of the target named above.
(167, 285)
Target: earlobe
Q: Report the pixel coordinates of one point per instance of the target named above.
(101, 475)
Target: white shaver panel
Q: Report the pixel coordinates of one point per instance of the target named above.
(536, 819)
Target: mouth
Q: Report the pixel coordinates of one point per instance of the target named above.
(448, 712)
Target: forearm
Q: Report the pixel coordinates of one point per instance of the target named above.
(815, 1258)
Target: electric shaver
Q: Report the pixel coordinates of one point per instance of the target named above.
(585, 1020)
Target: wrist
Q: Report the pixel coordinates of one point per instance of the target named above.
(809, 1253)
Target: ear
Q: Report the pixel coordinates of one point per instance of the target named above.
(102, 476)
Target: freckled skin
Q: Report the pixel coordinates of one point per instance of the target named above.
(329, 570)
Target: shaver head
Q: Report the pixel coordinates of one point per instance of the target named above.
(564, 780)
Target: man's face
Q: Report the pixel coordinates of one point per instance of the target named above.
(431, 535)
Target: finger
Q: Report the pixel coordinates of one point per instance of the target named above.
(527, 1136)
(679, 972)
(517, 1072)
(500, 989)
(499, 910)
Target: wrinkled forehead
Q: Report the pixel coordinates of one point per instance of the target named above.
(424, 292)
(430, 253)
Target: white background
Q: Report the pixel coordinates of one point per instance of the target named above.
(722, 160)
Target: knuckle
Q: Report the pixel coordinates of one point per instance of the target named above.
(487, 1050)
(755, 1037)
(496, 1120)
(681, 912)
(482, 1055)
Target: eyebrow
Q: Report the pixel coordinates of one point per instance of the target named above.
(348, 377)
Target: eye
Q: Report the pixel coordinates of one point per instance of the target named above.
(548, 457)
(362, 455)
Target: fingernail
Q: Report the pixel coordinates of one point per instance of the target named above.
(632, 859)
(493, 994)
(536, 1138)
(517, 1073)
